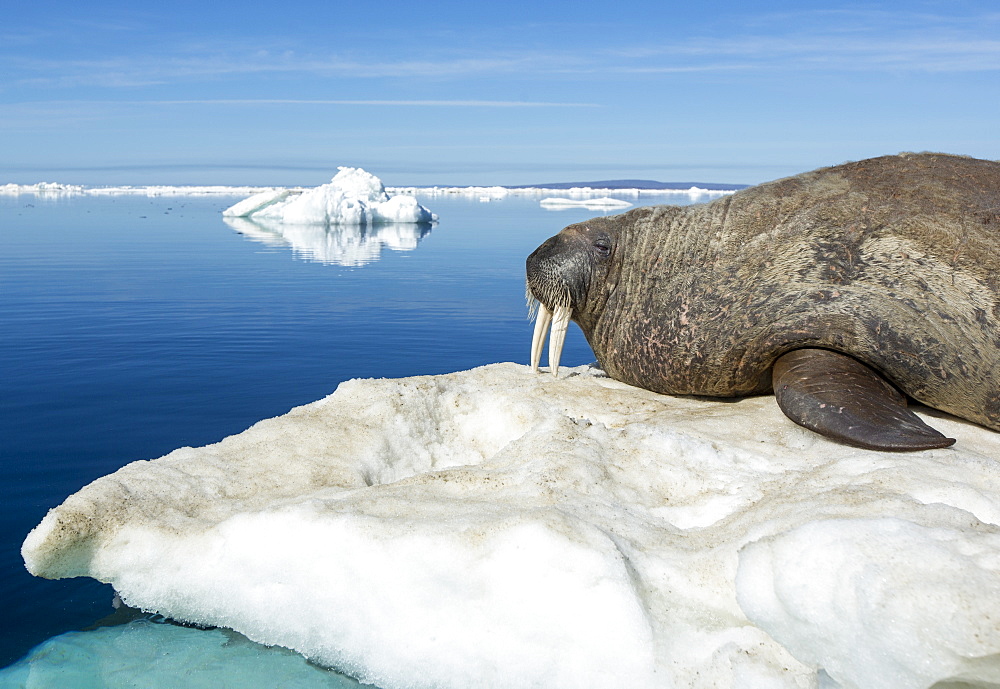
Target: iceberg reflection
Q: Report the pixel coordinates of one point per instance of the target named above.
(345, 245)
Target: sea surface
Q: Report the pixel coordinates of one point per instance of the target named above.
(134, 325)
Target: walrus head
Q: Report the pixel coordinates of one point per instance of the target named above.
(567, 279)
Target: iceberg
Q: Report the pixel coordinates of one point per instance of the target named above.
(499, 528)
(352, 197)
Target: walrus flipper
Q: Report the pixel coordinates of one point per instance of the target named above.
(841, 398)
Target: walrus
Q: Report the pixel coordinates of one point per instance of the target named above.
(846, 291)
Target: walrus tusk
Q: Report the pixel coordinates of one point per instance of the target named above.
(559, 320)
(542, 321)
(560, 323)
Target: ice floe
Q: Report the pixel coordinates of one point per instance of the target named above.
(602, 203)
(352, 197)
(498, 528)
(478, 192)
(42, 189)
(492, 193)
(210, 190)
(59, 189)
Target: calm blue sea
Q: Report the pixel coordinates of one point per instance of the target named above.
(130, 326)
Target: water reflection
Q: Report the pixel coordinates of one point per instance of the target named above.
(344, 245)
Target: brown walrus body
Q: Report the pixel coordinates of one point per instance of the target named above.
(892, 261)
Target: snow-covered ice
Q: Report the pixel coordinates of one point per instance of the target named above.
(352, 197)
(499, 528)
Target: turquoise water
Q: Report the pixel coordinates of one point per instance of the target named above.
(164, 655)
(132, 326)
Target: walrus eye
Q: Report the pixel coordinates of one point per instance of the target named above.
(603, 247)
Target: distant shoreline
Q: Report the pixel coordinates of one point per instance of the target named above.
(631, 187)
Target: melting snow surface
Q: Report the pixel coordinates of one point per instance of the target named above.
(499, 528)
(353, 197)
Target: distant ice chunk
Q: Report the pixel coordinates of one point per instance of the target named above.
(56, 189)
(161, 190)
(603, 202)
(352, 197)
(499, 528)
(41, 189)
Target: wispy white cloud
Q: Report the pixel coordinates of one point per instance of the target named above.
(406, 103)
(918, 53)
(838, 39)
(869, 40)
(62, 105)
(147, 70)
(63, 113)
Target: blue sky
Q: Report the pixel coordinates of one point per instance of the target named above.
(487, 93)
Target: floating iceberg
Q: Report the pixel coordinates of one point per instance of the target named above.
(602, 203)
(353, 197)
(498, 528)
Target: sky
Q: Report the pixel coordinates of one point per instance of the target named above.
(457, 93)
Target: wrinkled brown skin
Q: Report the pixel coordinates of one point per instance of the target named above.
(894, 261)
